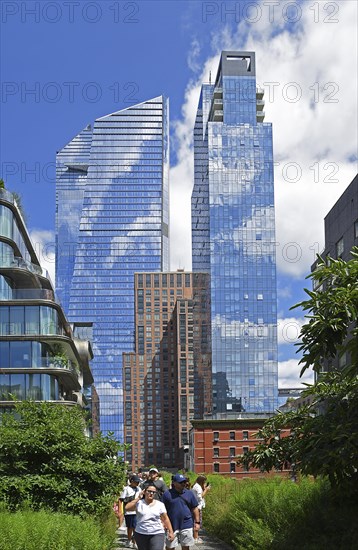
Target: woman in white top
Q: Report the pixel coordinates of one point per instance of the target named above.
(200, 488)
(152, 520)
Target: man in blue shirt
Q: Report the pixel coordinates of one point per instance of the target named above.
(183, 512)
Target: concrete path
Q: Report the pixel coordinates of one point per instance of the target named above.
(209, 542)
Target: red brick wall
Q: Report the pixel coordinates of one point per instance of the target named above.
(217, 448)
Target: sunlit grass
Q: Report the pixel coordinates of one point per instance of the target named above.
(28, 530)
(277, 514)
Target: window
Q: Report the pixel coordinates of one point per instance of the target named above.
(340, 247)
(216, 467)
(216, 436)
(232, 436)
(245, 435)
(232, 451)
(232, 467)
(356, 229)
(216, 452)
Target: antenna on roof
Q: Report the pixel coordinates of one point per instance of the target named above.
(210, 77)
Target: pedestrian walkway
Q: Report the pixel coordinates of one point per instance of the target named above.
(209, 542)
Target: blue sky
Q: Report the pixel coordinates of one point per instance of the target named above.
(65, 63)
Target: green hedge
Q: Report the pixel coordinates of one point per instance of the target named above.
(28, 530)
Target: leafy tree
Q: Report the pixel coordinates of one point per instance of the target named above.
(2, 184)
(324, 433)
(46, 460)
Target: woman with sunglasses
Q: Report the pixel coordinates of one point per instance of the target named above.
(152, 520)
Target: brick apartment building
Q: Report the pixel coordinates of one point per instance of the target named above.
(215, 446)
(167, 380)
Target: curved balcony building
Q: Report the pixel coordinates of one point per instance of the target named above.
(40, 359)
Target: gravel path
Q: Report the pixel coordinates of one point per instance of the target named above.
(209, 542)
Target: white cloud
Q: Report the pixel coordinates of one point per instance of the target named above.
(313, 137)
(289, 374)
(193, 55)
(288, 330)
(284, 292)
(43, 242)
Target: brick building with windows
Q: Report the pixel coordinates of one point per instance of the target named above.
(167, 380)
(215, 446)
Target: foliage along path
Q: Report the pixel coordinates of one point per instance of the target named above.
(210, 542)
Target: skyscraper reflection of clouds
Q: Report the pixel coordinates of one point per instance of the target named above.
(112, 220)
(233, 235)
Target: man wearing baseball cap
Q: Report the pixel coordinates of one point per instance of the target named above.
(153, 479)
(183, 512)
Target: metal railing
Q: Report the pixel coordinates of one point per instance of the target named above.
(56, 362)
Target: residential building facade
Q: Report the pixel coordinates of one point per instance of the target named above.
(112, 220)
(340, 236)
(167, 381)
(216, 445)
(233, 236)
(40, 358)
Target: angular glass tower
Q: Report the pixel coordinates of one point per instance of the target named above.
(233, 235)
(111, 221)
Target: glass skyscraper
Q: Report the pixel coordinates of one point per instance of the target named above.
(112, 220)
(233, 235)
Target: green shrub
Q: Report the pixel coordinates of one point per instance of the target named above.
(47, 461)
(28, 530)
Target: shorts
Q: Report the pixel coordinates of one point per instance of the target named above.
(184, 537)
(131, 520)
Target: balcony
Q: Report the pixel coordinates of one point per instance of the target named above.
(24, 264)
(35, 394)
(31, 294)
(14, 262)
(259, 93)
(65, 370)
(260, 104)
(260, 116)
(9, 197)
(56, 362)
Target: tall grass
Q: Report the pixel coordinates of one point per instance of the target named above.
(28, 530)
(277, 514)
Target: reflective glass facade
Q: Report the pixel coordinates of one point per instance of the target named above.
(112, 220)
(233, 235)
(40, 358)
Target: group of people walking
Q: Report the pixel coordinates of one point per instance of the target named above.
(155, 515)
